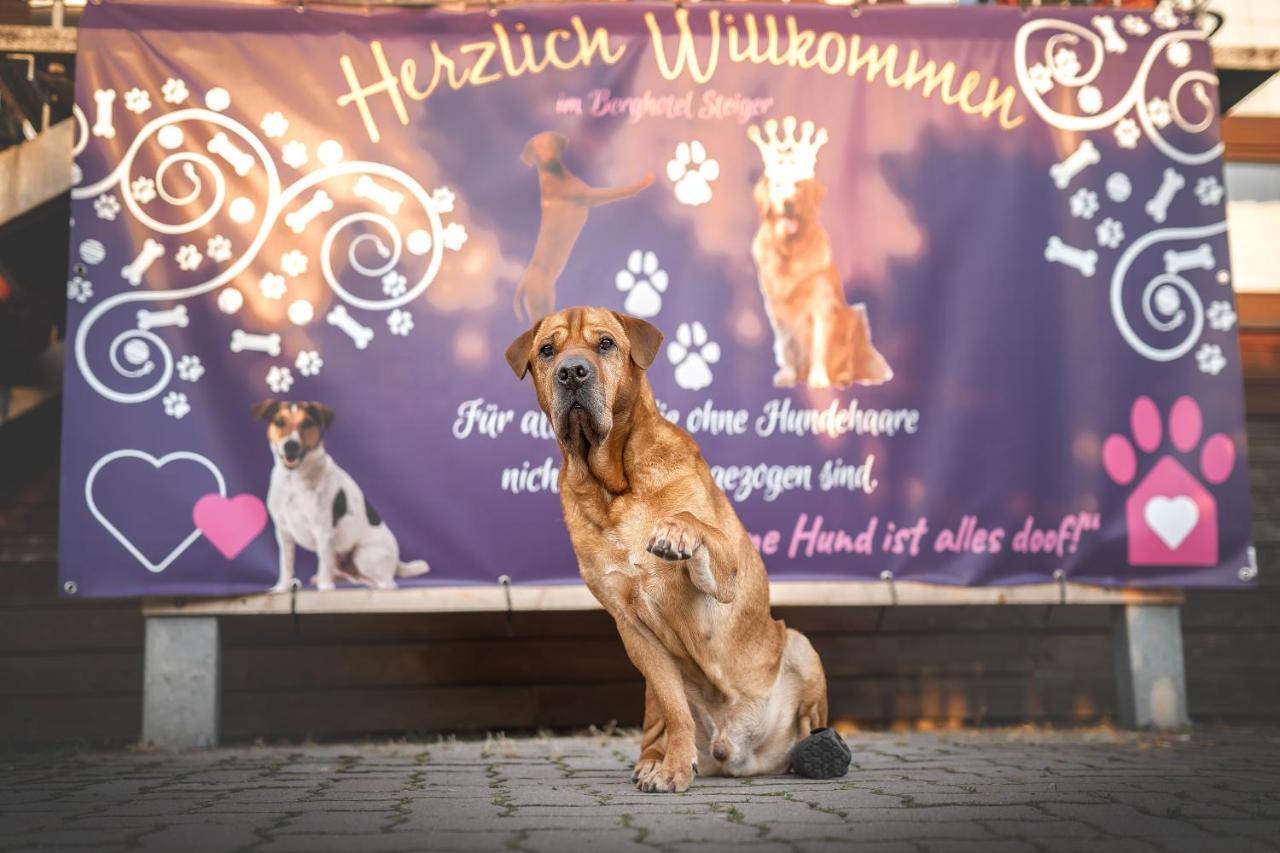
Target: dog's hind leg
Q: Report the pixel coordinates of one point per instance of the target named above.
(376, 566)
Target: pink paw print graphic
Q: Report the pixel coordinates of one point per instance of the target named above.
(1171, 517)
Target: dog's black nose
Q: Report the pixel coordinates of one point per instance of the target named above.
(292, 449)
(574, 372)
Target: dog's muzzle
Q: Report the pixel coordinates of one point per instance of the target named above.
(579, 411)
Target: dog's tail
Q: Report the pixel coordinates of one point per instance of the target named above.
(413, 569)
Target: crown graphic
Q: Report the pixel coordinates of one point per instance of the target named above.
(788, 158)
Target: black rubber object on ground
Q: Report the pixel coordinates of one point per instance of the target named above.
(822, 755)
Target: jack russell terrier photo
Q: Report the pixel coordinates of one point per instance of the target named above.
(316, 504)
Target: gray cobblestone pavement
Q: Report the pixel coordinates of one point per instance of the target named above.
(989, 792)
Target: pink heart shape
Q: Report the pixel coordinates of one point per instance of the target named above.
(230, 523)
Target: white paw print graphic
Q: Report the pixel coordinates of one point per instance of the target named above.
(189, 368)
(107, 206)
(294, 154)
(1209, 191)
(1210, 359)
(443, 198)
(1221, 316)
(188, 257)
(79, 289)
(693, 353)
(1110, 233)
(174, 91)
(394, 284)
(1160, 112)
(176, 405)
(143, 189)
(1135, 26)
(137, 100)
(454, 236)
(1066, 65)
(272, 286)
(275, 125)
(643, 282)
(1041, 78)
(293, 263)
(1084, 203)
(692, 171)
(218, 248)
(400, 322)
(1127, 133)
(309, 362)
(1164, 15)
(279, 379)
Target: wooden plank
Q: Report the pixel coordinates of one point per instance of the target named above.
(35, 171)
(576, 597)
(20, 39)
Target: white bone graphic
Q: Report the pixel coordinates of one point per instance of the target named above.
(1199, 258)
(1112, 39)
(175, 316)
(1086, 155)
(102, 125)
(300, 218)
(242, 341)
(241, 161)
(151, 252)
(1085, 261)
(1158, 206)
(369, 189)
(359, 334)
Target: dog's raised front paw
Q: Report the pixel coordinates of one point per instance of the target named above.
(673, 539)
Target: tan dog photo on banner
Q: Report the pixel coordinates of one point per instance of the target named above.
(316, 504)
(566, 200)
(729, 690)
(819, 340)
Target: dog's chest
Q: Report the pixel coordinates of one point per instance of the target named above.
(301, 513)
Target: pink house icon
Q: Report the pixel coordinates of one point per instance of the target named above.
(1172, 519)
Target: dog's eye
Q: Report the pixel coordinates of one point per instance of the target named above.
(547, 351)
(280, 422)
(606, 344)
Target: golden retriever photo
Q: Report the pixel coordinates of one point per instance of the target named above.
(819, 340)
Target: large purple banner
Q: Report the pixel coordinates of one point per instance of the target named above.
(945, 291)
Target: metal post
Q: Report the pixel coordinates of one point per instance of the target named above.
(181, 682)
(1151, 682)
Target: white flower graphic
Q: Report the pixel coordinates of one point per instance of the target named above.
(1164, 16)
(1066, 65)
(294, 154)
(1041, 78)
(272, 286)
(1209, 191)
(1084, 203)
(443, 198)
(190, 368)
(1135, 26)
(693, 353)
(1110, 233)
(293, 263)
(274, 125)
(1158, 109)
(1089, 98)
(1221, 316)
(394, 284)
(1127, 133)
(454, 236)
(643, 282)
(188, 257)
(143, 189)
(400, 322)
(174, 91)
(309, 362)
(107, 206)
(1178, 54)
(218, 248)
(80, 289)
(1210, 359)
(279, 379)
(137, 100)
(176, 405)
(692, 171)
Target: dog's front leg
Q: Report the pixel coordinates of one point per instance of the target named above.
(326, 563)
(288, 551)
(652, 739)
(713, 567)
(668, 770)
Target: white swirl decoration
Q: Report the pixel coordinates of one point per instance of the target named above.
(1171, 305)
(1072, 37)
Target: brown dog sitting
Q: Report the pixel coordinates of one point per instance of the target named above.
(728, 689)
(566, 200)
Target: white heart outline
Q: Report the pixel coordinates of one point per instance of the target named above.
(154, 568)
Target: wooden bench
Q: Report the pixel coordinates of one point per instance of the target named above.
(182, 658)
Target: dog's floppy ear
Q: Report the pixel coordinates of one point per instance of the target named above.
(644, 337)
(266, 410)
(518, 352)
(323, 415)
